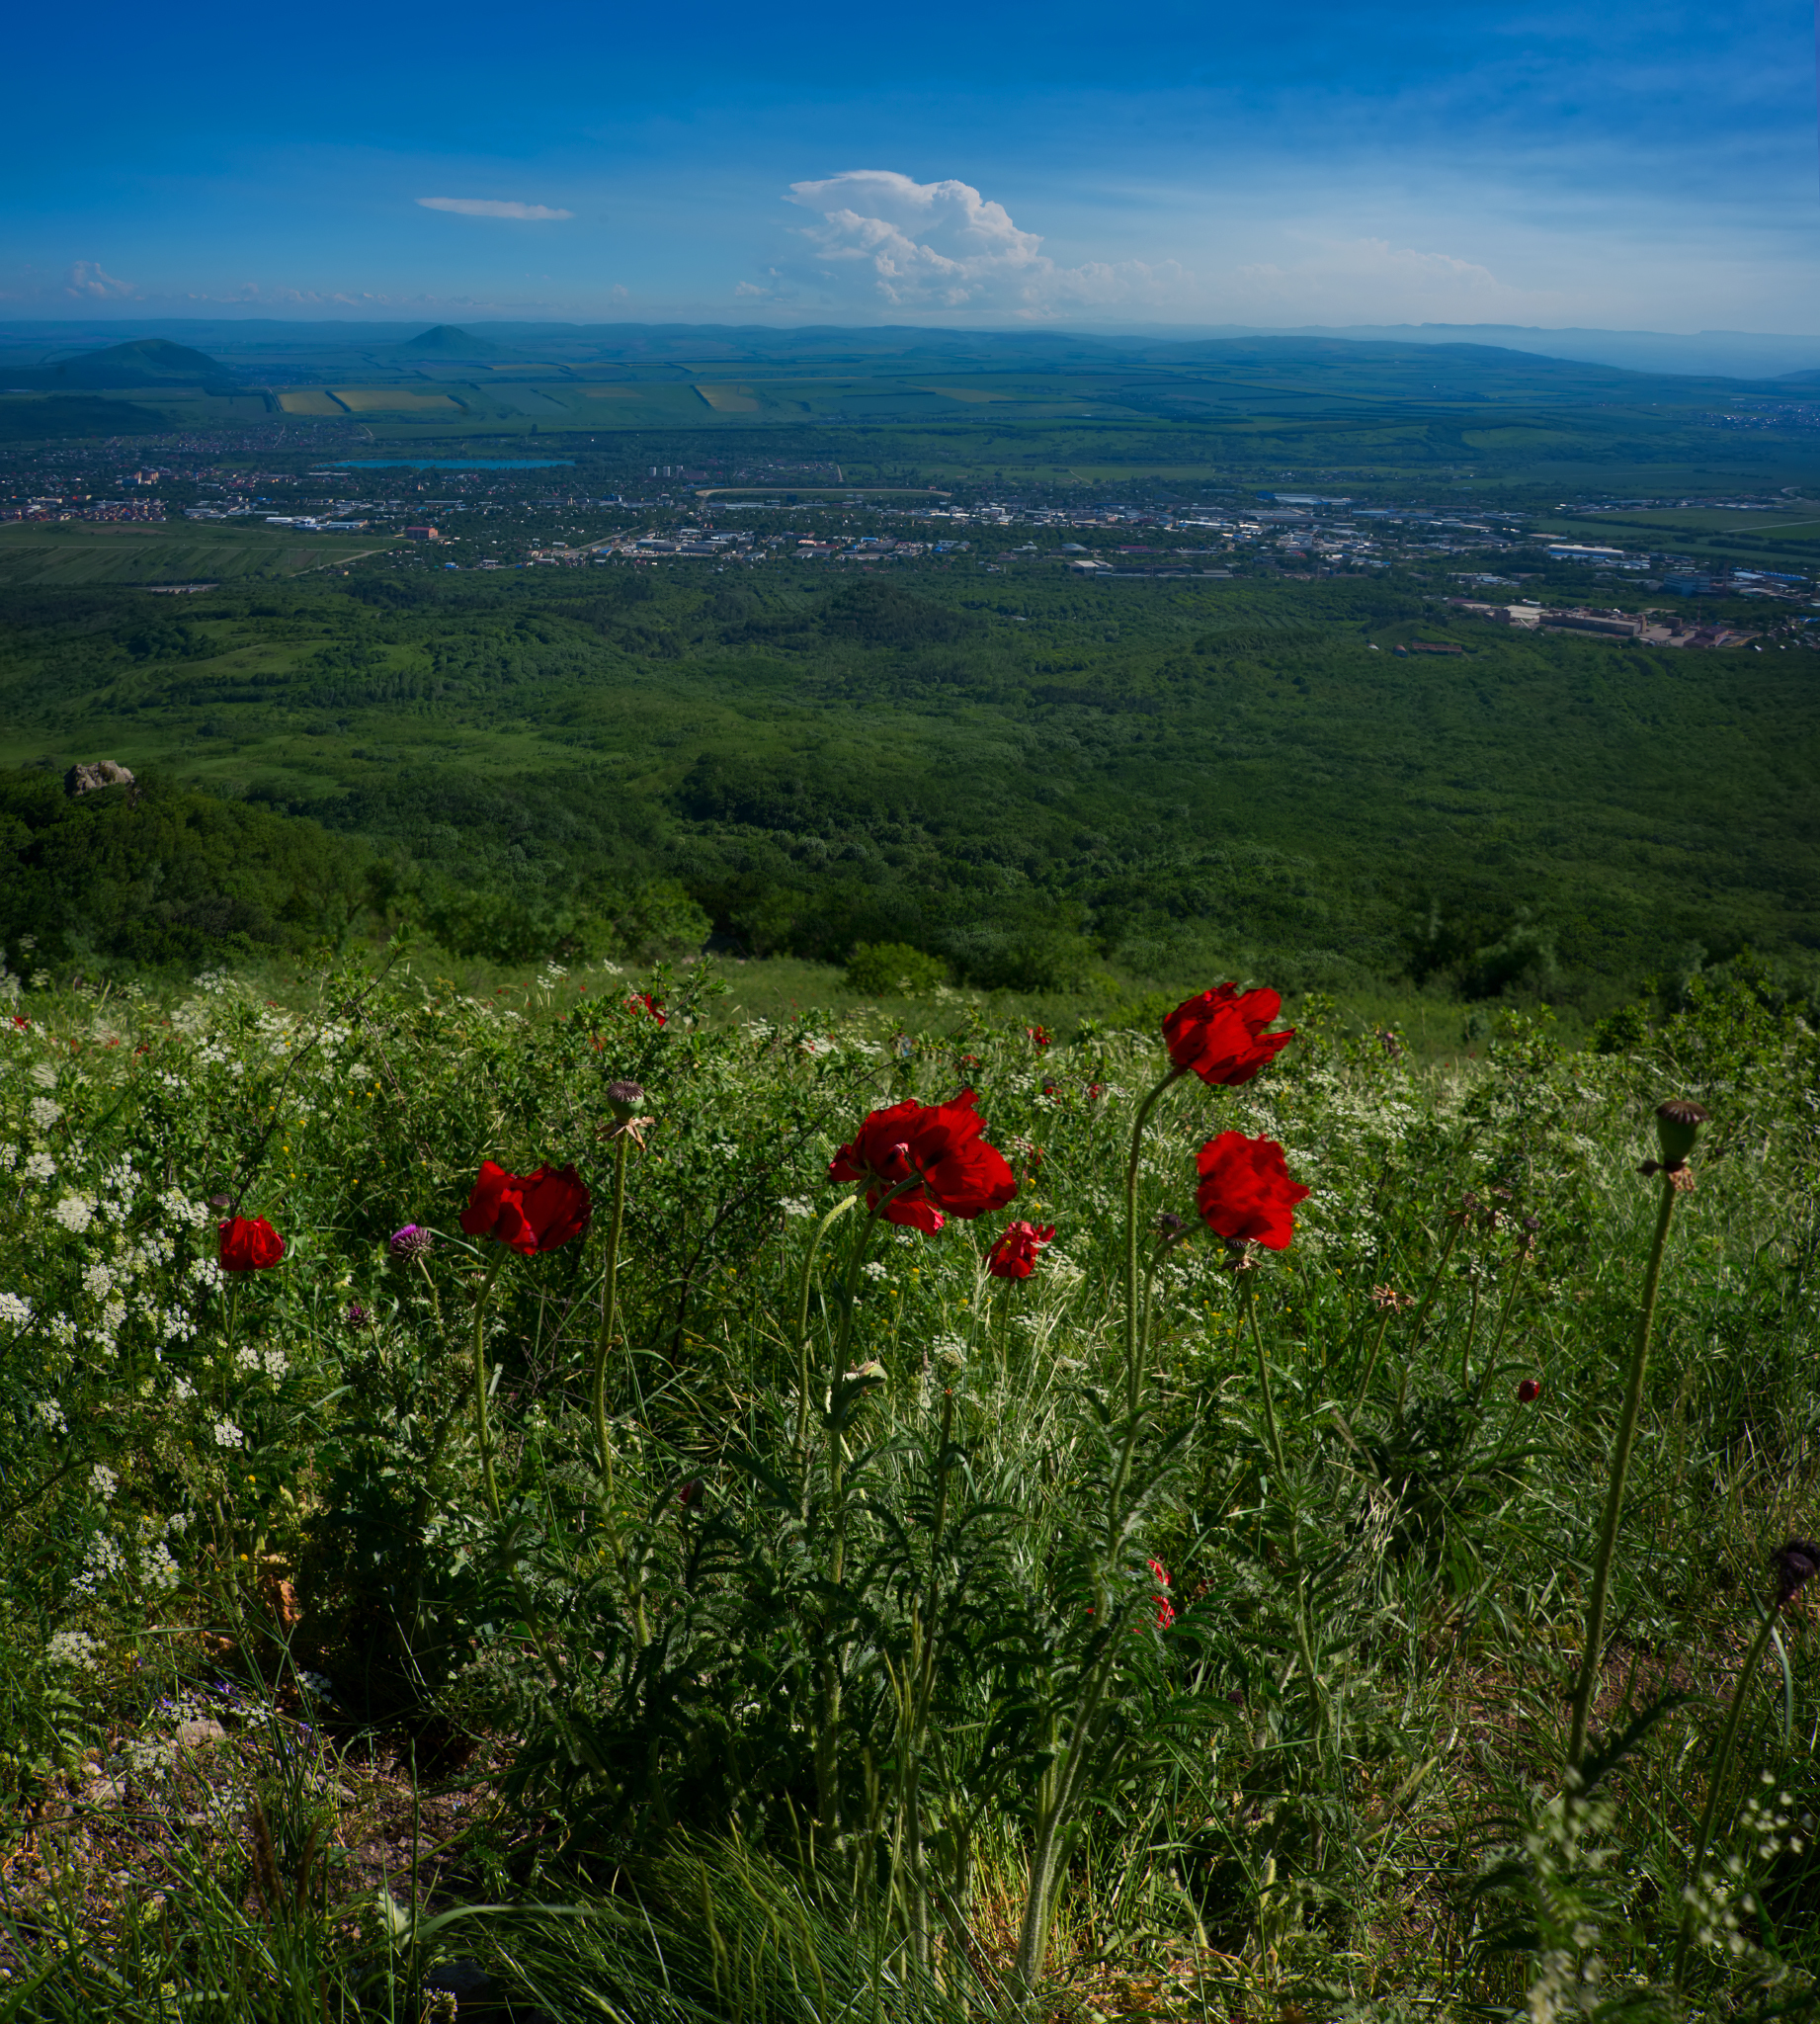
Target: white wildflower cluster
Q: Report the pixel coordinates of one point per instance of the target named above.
(316, 1684)
(815, 1045)
(62, 1332)
(181, 1210)
(75, 1650)
(101, 1559)
(182, 1388)
(98, 1279)
(15, 1310)
(206, 1273)
(874, 1269)
(103, 1483)
(275, 1362)
(174, 1326)
(44, 1075)
(75, 1212)
(949, 1350)
(40, 1167)
(44, 1112)
(796, 1204)
(215, 983)
(1720, 1895)
(227, 1435)
(9, 1158)
(49, 1416)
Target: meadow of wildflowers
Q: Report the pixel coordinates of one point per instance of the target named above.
(1227, 1521)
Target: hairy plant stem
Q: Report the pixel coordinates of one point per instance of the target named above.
(1715, 1779)
(1305, 1635)
(1510, 1302)
(827, 1793)
(610, 1300)
(802, 1333)
(1615, 1492)
(480, 1419)
(1061, 1783)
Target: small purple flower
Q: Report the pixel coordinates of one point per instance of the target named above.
(412, 1241)
(357, 1315)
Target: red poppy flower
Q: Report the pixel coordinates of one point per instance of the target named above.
(20, 1018)
(957, 1171)
(249, 1244)
(1528, 1390)
(650, 1005)
(1165, 1609)
(529, 1213)
(1041, 1036)
(1220, 1034)
(1246, 1193)
(1013, 1256)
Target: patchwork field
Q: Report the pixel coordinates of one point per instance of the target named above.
(731, 400)
(366, 399)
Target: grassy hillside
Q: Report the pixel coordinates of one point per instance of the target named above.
(686, 1615)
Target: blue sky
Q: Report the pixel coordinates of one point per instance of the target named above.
(1623, 166)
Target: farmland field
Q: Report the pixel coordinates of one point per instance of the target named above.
(364, 399)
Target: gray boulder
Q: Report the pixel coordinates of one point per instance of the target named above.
(84, 780)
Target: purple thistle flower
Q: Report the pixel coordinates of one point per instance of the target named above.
(357, 1315)
(412, 1241)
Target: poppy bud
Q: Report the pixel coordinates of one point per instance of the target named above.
(1797, 1563)
(1528, 1390)
(624, 1098)
(1678, 1123)
(220, 1201)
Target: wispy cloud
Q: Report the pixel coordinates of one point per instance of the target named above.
(944, 246)
(490, 206)
(89, 282)
(1368, 279)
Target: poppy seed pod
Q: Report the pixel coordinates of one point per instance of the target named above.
(1797, 1564)
(624, 1098)
(1678, 1123)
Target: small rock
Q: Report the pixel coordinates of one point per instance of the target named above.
(191, 1735)
(84, 780)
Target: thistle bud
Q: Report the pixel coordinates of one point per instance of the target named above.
(412, 1241)
(623, 1099)
(1678, 1123)
(1797, 1563)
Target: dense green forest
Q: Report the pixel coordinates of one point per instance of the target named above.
(1034, 783)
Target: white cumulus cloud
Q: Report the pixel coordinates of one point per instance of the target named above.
(490, 206)
(87, 279)
(944, 246)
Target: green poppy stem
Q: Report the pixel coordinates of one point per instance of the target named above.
(480, 1380)
(610, 1300)
(1133, 1333)
(1615, 1492)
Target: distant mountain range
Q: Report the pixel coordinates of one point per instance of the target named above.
(170, 353)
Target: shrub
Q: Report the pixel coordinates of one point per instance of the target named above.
(887, 970)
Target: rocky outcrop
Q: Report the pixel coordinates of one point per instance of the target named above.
(84, 780)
